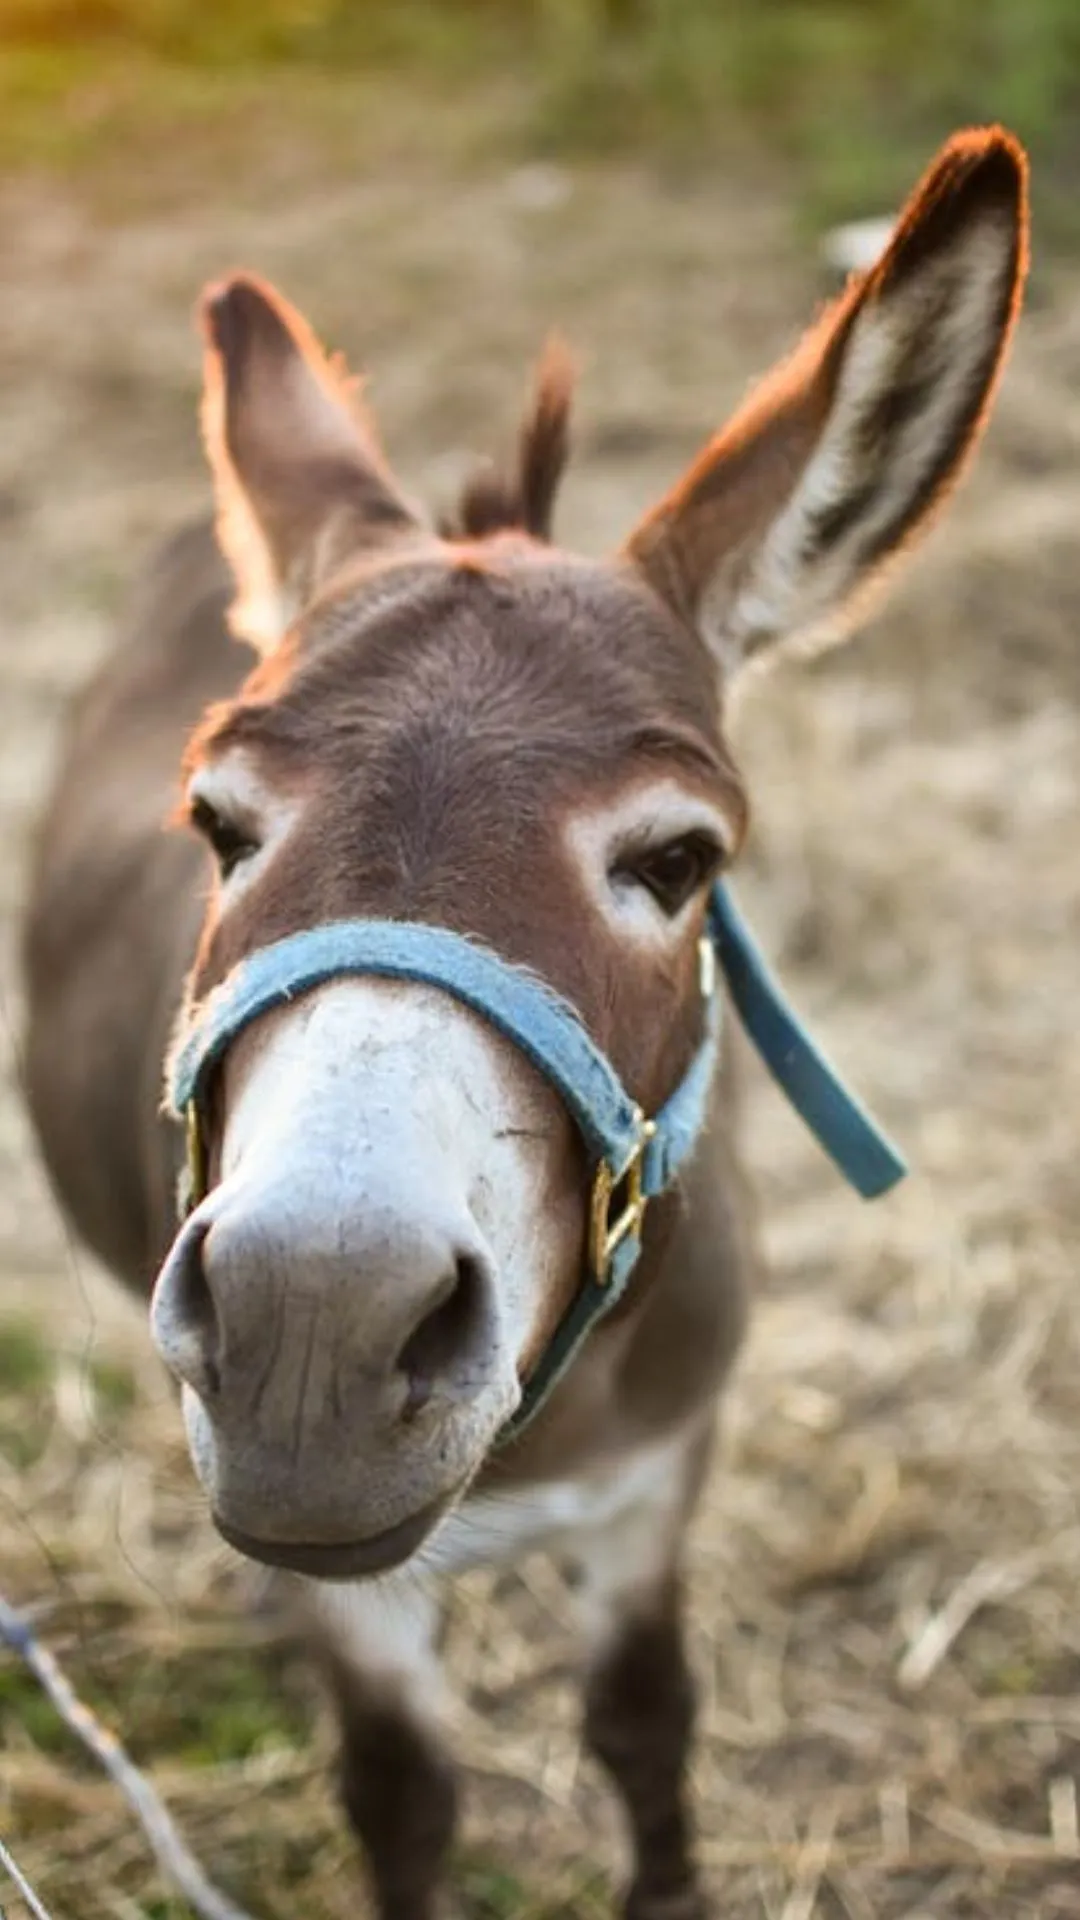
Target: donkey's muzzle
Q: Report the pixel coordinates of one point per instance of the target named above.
(342, 1363)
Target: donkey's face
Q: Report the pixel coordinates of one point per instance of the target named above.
(524, 749)
(480, 732)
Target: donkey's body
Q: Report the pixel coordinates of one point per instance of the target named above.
(484, 734)
(117, 913)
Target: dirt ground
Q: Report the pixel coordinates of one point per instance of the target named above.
(886, 1567)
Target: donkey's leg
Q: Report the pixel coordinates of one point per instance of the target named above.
(398, 1783)
(639, 1695)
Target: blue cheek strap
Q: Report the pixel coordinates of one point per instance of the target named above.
(633, 1158)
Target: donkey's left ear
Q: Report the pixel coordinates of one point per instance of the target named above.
(838, 458)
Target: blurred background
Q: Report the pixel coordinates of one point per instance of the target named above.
(885, 1569)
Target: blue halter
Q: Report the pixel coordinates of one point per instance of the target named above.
(632, 1158)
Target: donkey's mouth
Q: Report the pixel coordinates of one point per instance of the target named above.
(340, 1560)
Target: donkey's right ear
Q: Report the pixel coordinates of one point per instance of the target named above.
(300, 478)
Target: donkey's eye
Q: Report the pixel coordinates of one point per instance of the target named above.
(673, 872)
(231, 844)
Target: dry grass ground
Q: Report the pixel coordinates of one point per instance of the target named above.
(886, 1567)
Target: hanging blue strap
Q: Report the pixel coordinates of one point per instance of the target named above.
(864, 1154)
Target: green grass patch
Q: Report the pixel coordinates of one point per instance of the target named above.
(25, 1360)
(27, 1366)
(25, 1713)
(204, 1708)
(489, 1889)
(207, 1708)
(26, 1408)
(113, 1386)
(856, 94)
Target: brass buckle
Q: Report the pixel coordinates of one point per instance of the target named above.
(606, 1234)
(196, 1153)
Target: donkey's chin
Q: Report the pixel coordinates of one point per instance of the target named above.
(342, 1560)
(331, 1531)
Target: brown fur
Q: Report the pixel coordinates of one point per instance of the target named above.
(525, 498)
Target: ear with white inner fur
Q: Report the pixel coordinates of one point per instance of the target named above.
(839, 457)
(300, 478)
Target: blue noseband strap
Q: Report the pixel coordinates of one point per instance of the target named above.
(632, 1158)
(543, 1025)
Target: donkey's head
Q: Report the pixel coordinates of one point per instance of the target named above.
(481, 732)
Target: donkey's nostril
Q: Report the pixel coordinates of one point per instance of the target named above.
(441, 1353)
(184, 1317)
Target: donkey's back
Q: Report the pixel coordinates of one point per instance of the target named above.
(115, 909)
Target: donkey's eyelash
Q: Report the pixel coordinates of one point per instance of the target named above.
(651, 841)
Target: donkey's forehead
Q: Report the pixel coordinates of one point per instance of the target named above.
(524, 604)
(504, 643)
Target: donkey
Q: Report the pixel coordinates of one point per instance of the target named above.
(461, 827)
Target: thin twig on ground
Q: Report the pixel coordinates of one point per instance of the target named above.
(22, 1885)
(170, 1850)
